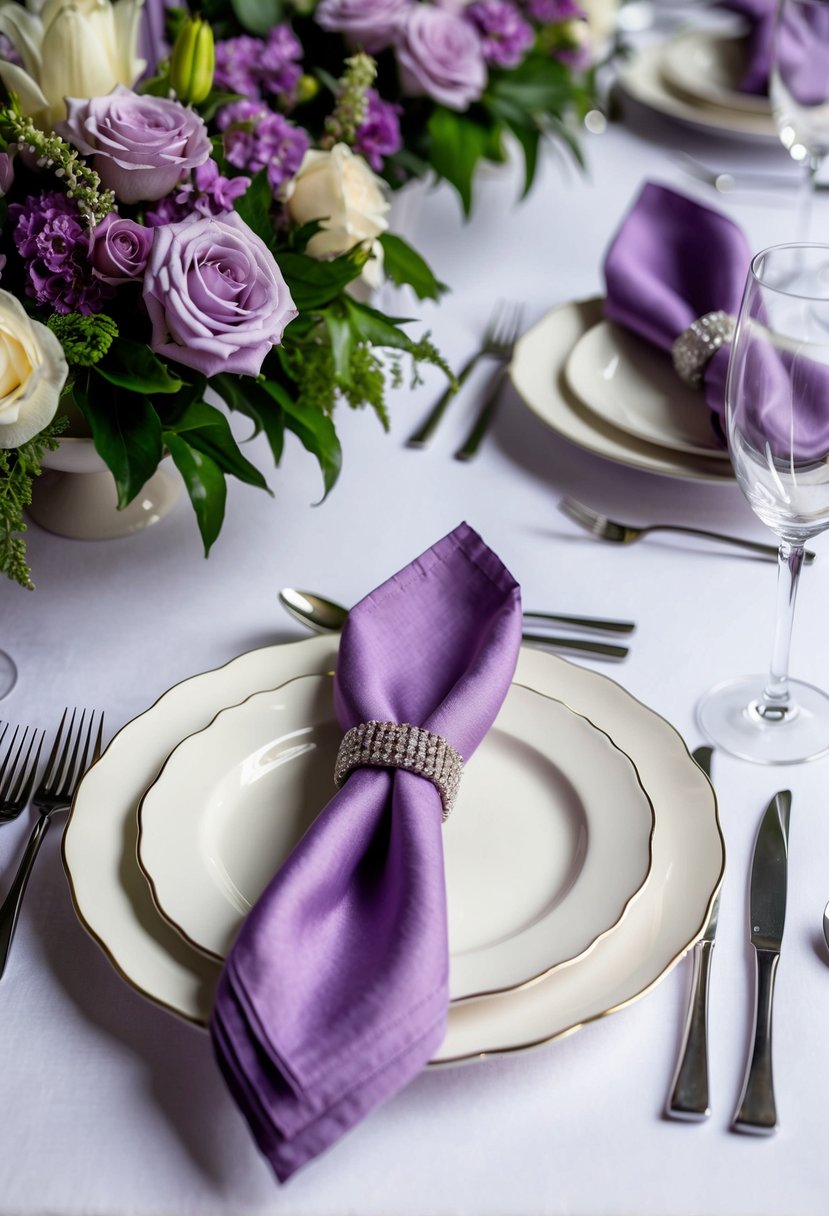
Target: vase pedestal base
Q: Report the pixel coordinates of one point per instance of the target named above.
(84, 506)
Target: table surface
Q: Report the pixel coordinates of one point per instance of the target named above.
(112, 1105)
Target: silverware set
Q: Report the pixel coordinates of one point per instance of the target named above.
(502, 332)
(77, 745)
(689, 1098)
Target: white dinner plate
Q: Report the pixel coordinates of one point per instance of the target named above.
(113, 900)
(707, 66)
(642, 79)
(538, 373)
(633, 385)
(550, 815)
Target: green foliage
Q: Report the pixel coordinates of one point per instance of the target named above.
(85, 340)
(126, 432)
(258, 16)
(18, 469)
(405, 267)
(132, 365)
(456, 144)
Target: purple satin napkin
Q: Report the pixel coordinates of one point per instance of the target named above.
(672, 261)
(335, 993)
(802, 36)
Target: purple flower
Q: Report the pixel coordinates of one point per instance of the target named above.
(505, 35)
(370, 24)
(551, 12)
(254, 67)
(140, 146)
(440, 55)
(208, 194)
(119, 248)
(216, 297)
(53, 242)
(237, 65)
(379, 135)
(257, 138)
(278, 65)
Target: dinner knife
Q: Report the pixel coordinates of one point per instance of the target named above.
(689, 1093)
(757, 1113)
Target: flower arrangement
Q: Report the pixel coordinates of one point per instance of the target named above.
(172, 248)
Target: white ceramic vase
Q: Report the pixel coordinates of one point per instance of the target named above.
(75, 495)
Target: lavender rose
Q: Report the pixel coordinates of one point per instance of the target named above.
(371, 24)
(140, 146)
(119, 248)
(440, 54)
(216, 297)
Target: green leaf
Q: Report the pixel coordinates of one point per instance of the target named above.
(405, 266)
(205, 484)
(457, 144)
(530, 139)
(539, 85)
(258, 16)
(127, 435)
(254, 206)
(314, 284)
(133, 366)
(248, 397)
(376, 328)
(214, 101)
(207, 430)
(342, 335)
(314, 429)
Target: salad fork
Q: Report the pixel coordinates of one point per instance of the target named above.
(498, 342)
(624, 534)
(18, 768)
(469, 448)
(74, 748)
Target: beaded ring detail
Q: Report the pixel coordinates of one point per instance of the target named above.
(697, 345)
(400, 745)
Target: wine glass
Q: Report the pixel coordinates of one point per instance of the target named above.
(799, 91)
(8, 674)
(777, 417)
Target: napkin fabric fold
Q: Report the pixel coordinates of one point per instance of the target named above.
(672, 261)
(335, 993)
(801, 34)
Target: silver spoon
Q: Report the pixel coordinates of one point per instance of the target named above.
(324, 616)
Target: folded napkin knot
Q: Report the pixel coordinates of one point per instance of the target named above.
(696, 346)
(400, 745)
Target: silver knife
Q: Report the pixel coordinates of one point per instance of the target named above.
(756, 1112)
(689, 1093)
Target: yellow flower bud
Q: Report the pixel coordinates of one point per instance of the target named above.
(193, 61)
(307, 88)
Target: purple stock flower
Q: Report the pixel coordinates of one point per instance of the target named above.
(551, 12)
(140, 146)
(257, 138)
(53, 241)
(279, 63)
(370, 24)
(505, 35)
(237, 65)
(254, 67)
(379, 135)
(208, 194)
(119, 248)
(215, 295)
(440, 55)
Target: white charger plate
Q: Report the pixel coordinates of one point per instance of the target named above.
(707, 66)
(642, 79)
(550, 815)
(113, 900)
(634, 386)
(538, 374)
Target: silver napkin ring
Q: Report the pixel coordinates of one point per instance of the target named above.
(697, 345)
(399, 745)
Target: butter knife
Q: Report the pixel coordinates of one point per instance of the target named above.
(689, 1093)
(757, 1113)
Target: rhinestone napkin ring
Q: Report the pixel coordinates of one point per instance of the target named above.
(399, 745)
(698, 344)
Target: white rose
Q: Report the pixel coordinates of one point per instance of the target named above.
(69, 48)
(339, 189)
(32, 373)
(601, 22)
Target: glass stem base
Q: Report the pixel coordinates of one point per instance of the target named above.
(8, 674)
(738, 718)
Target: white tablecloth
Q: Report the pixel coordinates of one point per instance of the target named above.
(111, 1106)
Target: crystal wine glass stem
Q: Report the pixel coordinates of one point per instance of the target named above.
(806, 200)
(776, 701)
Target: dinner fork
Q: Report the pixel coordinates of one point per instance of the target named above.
(624, 534)
(18, 769)
(497, 344)
(74, 748)
(469, 447)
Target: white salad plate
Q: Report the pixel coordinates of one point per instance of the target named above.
(113, 900)
(642, 79)
(538, 372)
(634, 386)
(707, 66)
(550, 815)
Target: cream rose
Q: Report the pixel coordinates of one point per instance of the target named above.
(601, 17)
(339, 189)
(32, 373)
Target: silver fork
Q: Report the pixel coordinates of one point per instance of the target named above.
(18, 769)
(496, 345)
(624, 534)
(482, 423)
(75, 747)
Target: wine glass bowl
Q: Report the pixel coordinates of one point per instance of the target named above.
(777, 421)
